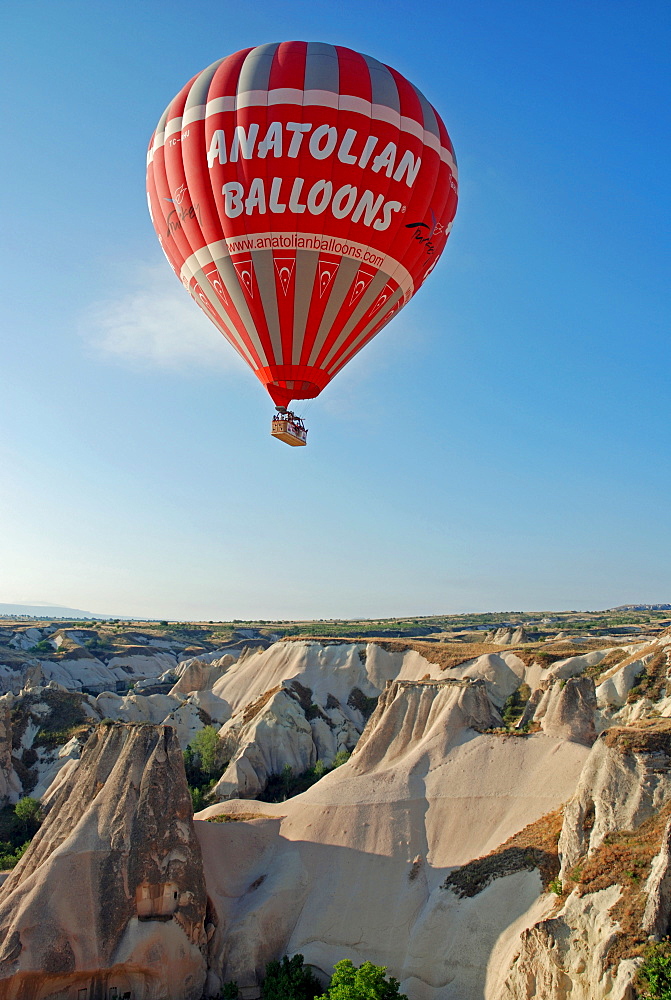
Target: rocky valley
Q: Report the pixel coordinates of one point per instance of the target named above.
(483, 807)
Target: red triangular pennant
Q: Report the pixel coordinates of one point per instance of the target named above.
(245, 272)
(202, 298)
(384, 295)
(327, 272)
(361, 283)
(211, 272)
(285, 269)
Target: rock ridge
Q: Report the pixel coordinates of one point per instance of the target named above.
(111, 892)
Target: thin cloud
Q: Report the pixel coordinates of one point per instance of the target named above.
(154, 322)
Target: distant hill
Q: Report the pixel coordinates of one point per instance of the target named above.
(642, 607)
(44, 611)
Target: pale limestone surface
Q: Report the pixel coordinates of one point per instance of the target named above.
(200, 675)
(87, 671)
(160, 709)
(615, 684)
(324, 669)
(565, 957)
(506, 636)
(278, 735)
(330, 673)
(422, 782)
(50, 763)
(657, 915)
(217, 709)
(568, 709)
(618, 790)
(26, 638)
(354, 867)
(502, 673)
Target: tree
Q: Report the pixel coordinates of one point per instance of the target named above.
(287, 779)
(205, 745)
(368, 982)
(289, 980)
(197, 799)
(655, 973)
(29, 811)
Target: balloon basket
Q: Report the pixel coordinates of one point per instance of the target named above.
(289, 428)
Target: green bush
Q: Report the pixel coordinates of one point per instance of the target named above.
(29, 812)
(341, 758)
(10, 858)
(359, 700)
(205, 760)
(515, 704)
(289, 980)
(368, 982)
(43, 646)
(281, 787)
(203, 754)
(655, 973)
(197, 798)
(229, 991)
(18, 825)
(65, 715)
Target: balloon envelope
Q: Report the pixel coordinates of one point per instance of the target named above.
(302, 192)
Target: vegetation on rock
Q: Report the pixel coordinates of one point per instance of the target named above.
(368, 982)
(533, 847)
(289, 980)
(281, 787)
(513, 709)
(18, 826)
(205, 761)
(654, 975)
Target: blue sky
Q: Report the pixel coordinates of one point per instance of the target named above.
(504, 444)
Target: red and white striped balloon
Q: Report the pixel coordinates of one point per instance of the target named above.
(302, 192)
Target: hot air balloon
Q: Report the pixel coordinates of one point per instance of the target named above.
(302, 192)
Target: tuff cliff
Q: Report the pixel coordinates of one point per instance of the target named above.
(614, 880)
(110, 894)
(436, 849)
(355, 866)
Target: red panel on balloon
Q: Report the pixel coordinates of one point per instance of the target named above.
(302, 192)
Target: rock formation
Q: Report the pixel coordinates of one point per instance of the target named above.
(626, 780)
(657, 915)
(278, 735)
(568, 709)
(418, 853)
(507, 636)
(110, 894)
(576, 953)
(199, 675)
(10, 784)
(333, 873)
(565, 957)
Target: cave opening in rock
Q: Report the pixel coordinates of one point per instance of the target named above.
(156, 901)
